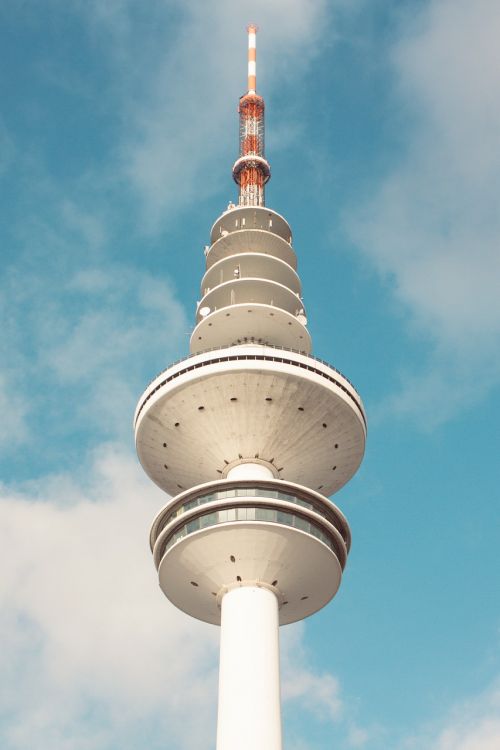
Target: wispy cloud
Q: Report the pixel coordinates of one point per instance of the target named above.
(14, 409)
(177, 114)
(81, 336)
(92, 648)
(93, 653)
(433, 227)
(187, 127)
(472, 725)
(316, 695)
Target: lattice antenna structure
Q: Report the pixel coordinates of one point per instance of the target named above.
(251, 170)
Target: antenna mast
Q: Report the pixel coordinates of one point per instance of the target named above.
(251, 170)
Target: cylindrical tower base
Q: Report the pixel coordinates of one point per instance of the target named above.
(249, 714)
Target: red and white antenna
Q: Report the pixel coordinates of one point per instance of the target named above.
(252, 58)
(251, 170)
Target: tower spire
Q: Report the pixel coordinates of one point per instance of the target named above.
(252, 72)
(251, 170)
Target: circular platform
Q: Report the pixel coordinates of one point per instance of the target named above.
(236, 493)
(250, 292)
(250, 401)
(250, 266)
(251, 241)
(304, 572)
(250, 217)
(251, 322)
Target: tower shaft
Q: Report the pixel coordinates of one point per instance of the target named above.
(249, 714)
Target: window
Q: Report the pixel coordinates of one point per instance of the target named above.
(208, 520)
(251, 514)
(301, 523)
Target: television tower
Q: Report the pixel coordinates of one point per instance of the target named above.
(250, 434)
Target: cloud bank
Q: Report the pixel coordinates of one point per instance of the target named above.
(178, 112)
(432, 227)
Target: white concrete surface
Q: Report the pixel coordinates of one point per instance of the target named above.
(249, 714)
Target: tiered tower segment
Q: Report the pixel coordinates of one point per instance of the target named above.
(250, 434)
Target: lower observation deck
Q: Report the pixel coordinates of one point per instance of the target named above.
(238, 533)
(218, 408)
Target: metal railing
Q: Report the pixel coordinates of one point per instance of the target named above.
(267, 346)
(253, 357)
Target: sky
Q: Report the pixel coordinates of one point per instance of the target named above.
(118, 130)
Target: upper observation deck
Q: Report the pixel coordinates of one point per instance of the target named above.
(212, 410)
(251, 217)
(251, 291)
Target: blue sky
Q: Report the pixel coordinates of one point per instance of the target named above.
(118, 130)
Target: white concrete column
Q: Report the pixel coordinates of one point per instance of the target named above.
(250, 471)
(249, 715)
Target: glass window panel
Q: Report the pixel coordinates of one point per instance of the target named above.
(249, 513)
(268, 514)
(303, 503)
(209, 520)
(301, 523)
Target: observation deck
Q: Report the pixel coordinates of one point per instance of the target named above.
(251, 291)
(215, 409)
(266, 533)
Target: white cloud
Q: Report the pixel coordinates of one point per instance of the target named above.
(88, 227)
(93, 331)
(318, 694)
(357, 736)
(433, 227)
(93, 654)
(83, 623)
(179, 121)
(472, 725)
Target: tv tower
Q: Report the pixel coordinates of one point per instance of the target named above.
(250, 434)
